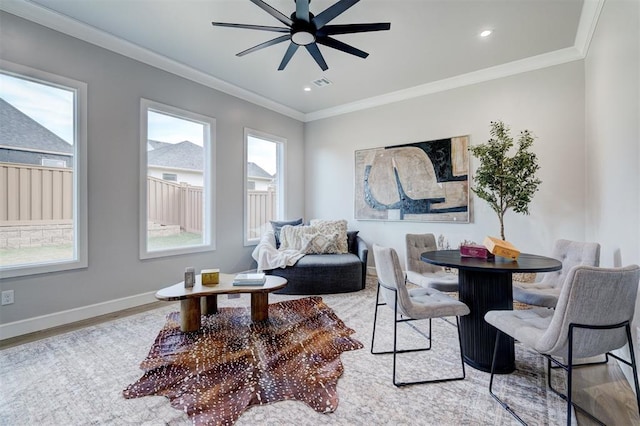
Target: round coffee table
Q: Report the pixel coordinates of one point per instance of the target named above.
(203, 299)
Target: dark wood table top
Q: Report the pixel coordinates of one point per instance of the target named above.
(525, 263)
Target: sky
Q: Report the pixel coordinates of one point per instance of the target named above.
(50, 106)
(165, 128)
(263, 153)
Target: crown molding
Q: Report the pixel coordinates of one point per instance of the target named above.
(74, 28)
(500, 71)
(586, 27)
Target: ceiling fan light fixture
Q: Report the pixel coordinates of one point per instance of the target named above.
(303, 28)
(303, 38)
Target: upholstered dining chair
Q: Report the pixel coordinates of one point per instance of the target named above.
(422, 273)
(545, 292)
(410, 305)
(592, 317)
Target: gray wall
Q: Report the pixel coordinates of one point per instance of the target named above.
(115, 86)
(549, 102)
(613, 138)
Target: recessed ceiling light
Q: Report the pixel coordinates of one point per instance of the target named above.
(307, 89)
(486, 33)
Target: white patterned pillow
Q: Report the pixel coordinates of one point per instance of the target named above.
(296, 237)
(321, 243)
(336, 229)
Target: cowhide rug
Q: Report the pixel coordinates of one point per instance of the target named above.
(230, 364)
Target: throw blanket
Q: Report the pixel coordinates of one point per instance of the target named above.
(269, 257)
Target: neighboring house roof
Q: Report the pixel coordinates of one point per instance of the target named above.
(156, 144)
(182, 155)
(255, 171)
(20, 131)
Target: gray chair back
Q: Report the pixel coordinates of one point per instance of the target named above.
(391, 278)
(571, 253)
(416, 244)
(592, 296)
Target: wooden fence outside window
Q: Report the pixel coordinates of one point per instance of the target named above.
(31, 194)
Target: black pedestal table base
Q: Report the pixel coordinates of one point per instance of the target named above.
(483, 292)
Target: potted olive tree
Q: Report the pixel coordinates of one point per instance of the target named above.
(506, 182)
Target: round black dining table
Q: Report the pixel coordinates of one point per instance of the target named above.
(485, 285)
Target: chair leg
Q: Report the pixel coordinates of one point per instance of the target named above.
(634, 366)
(375, 318)
(407, 320)
(586, 364)
(396, 352)
(464, 374)
(569, 370)
(493, 367)
(569, 375)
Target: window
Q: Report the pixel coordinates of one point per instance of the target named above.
(264, 183)
(175, 217)
(52, 162)
(170, 176)
(43, 181)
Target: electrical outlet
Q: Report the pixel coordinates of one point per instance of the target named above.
(7, 297)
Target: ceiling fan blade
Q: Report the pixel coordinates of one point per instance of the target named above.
(315, 52)
(288, 55)
(273, 12)
(353, 28)
(302, 10)
(263, 45)
(344, 47)
(331, 12)
(252, 27)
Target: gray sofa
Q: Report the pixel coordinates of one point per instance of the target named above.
(327, 273)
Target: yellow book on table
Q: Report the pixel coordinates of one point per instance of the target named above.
(210, 276)
(501, 248)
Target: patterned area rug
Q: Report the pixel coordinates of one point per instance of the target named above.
(77, 378)
(231, 363)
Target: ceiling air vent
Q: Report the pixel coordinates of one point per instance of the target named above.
(321, 82)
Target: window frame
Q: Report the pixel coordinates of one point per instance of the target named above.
(209, 178)
(281, 153)
(80, 224)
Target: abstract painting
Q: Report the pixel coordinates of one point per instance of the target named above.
(421, 181)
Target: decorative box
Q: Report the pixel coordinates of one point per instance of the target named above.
(501, 248)
(210, 276)
(474, 250)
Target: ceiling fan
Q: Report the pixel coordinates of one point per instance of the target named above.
(305, 29)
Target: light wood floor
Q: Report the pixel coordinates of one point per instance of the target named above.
(603, 390)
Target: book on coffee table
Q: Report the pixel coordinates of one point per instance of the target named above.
(250, 279)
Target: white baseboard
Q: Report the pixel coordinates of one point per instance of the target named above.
(31, 325)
